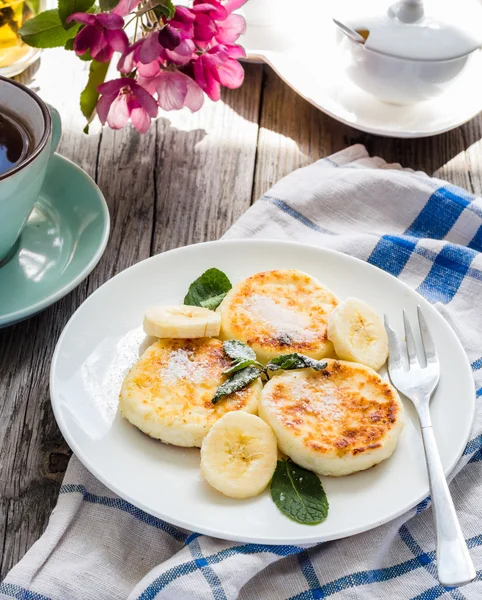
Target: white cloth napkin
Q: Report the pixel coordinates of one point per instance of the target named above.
(423, 230)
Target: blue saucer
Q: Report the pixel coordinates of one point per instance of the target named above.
(62, 242)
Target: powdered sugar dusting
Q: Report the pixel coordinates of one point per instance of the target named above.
(282, 320)
(324, 406)
(182, 366)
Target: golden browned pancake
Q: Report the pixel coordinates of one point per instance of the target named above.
(343, 419)
(167, 394)
(279, 312)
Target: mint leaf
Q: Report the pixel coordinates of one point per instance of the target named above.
(90, 95)
(208, 290)
(46, 31)
(241, 356)
(69, 7)
(237, 350)
(106, 5)
(295, 361)
(238, 381)
(299, 494)
(237, 366)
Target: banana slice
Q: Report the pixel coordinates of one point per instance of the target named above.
(358, 334)
(239, 454)
(181, 322)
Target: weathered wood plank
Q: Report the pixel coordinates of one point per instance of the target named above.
(204, 166)
(33, 451)
(293, 133)
(28, 433)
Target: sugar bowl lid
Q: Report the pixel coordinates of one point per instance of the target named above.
(432, 30)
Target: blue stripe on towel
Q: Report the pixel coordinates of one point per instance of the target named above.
(477, 364)
(364, 578)
(378, 575)
(473, 445)
(447, 273)
(439, 214)
(392, 253)
(286, 208)
(20, 593)
(308, 570)
(209, 574)
(188, 567)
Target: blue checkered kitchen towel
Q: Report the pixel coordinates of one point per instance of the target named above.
(423, 230)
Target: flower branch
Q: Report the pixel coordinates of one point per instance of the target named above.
(176, 56)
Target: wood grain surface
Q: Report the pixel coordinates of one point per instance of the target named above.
(185, 181)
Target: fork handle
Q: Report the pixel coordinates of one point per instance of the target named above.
(454, 565)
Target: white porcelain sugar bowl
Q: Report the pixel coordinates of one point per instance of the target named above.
(409, 51)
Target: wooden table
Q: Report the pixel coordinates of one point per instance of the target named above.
(185, 181)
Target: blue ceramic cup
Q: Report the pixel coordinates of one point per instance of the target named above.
(20, 185)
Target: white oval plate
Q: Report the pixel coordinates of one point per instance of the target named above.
(104, 338)
(313, 65)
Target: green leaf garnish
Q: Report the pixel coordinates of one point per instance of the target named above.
(69, 7)
(46, 30)
(299, 494)
(237, 366)
(295, 361)
(241, 356)
(208, 290)
(90, 95)
(237, 350)
(237, 382)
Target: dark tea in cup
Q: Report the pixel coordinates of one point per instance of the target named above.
(15, 142)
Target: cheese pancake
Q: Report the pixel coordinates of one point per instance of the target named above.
(342, 419)
(279, 312)
(167, 394)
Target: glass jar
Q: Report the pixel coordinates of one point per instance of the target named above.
(15, 56)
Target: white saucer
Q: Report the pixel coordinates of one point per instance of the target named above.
(304, 51)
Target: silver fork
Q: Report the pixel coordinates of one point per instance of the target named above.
(418, 382)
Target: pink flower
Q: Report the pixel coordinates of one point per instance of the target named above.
(124, 98)
(230, 29)
(173, 66)
(156, 44)
(175, 90)
(128, 61)
(219, 67)
(214, 20)
(125, 7)
(147, 75)
(183, 21)
(233, 26)
(102, 35)
(169, 37)
(182, 54)
(149, 49)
